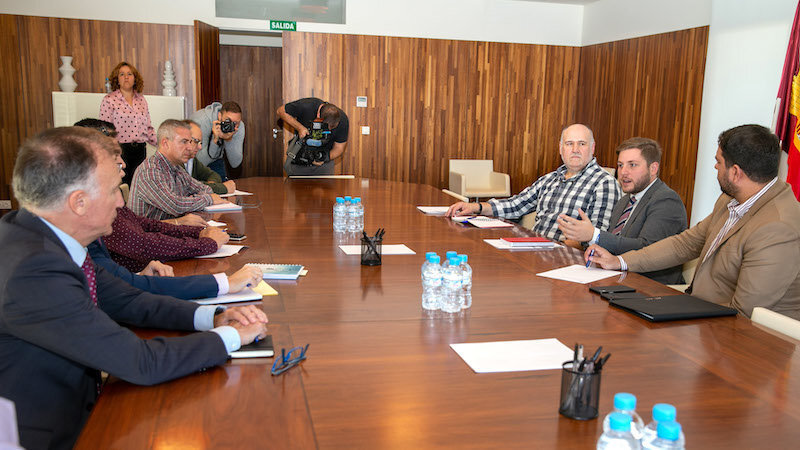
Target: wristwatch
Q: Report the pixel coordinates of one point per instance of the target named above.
(480, 208)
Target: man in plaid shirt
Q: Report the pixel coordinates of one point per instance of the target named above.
(161, 188)
(578, 186)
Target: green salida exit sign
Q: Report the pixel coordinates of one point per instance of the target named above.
(282, 25)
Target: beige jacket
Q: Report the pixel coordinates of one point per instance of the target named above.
(756, 264)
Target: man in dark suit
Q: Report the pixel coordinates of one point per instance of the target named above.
(59, 314)
(650, 210)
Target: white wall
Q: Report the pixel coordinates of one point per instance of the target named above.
(613, 20)
(482, 20)
(746, 47)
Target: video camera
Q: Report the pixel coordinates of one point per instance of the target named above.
(312, 147)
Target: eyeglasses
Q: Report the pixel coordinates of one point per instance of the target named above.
(287, 361)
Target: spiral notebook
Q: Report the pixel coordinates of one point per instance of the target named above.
(279, 271)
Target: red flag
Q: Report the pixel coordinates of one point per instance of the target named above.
(787, 125)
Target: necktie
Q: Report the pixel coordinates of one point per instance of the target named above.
(624, 217)
(88, 270)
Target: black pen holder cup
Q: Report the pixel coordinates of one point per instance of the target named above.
(371, 251)
(580, 393)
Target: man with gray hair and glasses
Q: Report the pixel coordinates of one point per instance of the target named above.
(59, 313)
(579, 184)
(161, 187)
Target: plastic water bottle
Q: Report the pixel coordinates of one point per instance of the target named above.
(339, 217)
(662, 412)
(108, 86)
(618, 436)
(625, 403)
(447, 257)
(452, 298)
(355, 216)
(668, 437)
(431, 282)
(466, 281)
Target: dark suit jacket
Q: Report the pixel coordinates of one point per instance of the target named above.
(194, 286)
(658, 214)
(53, 340)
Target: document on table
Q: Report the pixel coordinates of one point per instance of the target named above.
(579, 273)
(245, 295)
(433, 210)
(482, 221)
(514, 356)
(214, 223)
(235, 192)
(224, 207)
(225, 250)
(386, 249)
(503, 245)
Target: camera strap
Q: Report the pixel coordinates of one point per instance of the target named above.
(220, 143)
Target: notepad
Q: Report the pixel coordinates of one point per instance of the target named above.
(488, 222)
(245, 295)
(261, 349)
(433, 210)
(514, 356)
(214, 223)
(225, 250)
(224, 207)
(530, 241)
(503, 245)
(579, 273)
(279, 271)
(235, 192)
(386, 249)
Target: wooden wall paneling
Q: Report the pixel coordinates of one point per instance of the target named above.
(207, 57)
(11, 102)
(252, 77)
(432, 100)
(652, 87)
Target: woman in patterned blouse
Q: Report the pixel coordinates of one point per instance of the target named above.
(127, 109)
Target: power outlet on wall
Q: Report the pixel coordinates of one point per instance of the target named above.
(5, 204)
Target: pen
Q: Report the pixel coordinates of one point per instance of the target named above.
(603, 362)
(596, 354)
(575, 356)
(589, 259)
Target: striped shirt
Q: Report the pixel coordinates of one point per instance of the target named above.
(132, 121)
(736, 211)
(161, 190)
(592, 189)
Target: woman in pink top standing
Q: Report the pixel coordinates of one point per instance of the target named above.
(127, 109)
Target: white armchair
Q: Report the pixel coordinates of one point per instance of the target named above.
(476, 178)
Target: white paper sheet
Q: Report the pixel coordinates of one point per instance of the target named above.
(386, 249)
(488, 222)
(514, 356)
(235, 192)
(225, 250)
(503, 245)
(244, 295)
(214, 223)
(224, 207)
(433, 210)
(578, 273)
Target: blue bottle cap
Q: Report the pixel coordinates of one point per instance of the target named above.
(619, 422)
(624, 401)
(428, 254)
(435, 259)
(347, 198)
(454, 260)
(339, 200)
(451, 253)
(669, 430)
(664, 412)
(357, 199)
(464, 258)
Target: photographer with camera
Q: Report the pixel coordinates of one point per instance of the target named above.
(223, 136)
(321, 136)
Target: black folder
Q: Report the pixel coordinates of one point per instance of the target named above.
(672, 307)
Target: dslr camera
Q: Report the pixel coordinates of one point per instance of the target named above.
(227, 126)
(312, 147)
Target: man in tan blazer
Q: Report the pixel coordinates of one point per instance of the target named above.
(749, 245)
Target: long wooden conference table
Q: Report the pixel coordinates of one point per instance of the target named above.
(380, 372)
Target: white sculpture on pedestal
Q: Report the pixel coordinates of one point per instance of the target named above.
(67, 83)
(169, 81)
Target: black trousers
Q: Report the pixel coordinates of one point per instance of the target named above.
(133, 153)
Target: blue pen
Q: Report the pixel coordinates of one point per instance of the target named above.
(589, 259)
